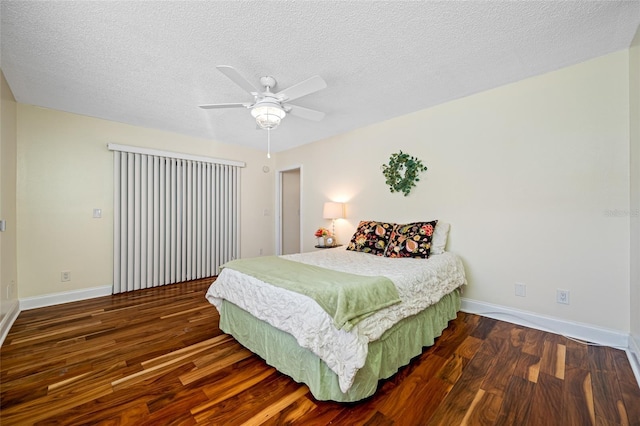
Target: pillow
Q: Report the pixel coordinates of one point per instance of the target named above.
(411, 240)
(371, 237)
(439, 239)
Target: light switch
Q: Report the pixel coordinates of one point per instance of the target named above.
(97, 213)
(3, 225)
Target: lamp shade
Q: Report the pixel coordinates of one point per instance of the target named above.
(333, 210)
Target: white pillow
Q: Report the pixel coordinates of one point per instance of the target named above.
(439, 239)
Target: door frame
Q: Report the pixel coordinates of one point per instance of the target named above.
(278, 215)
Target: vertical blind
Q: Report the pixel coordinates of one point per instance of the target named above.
(176, 217)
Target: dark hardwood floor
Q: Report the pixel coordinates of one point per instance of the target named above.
(158, 357)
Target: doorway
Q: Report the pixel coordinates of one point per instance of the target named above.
(289, 204)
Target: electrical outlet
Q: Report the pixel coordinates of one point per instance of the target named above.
(521, 290)
(65, 276)
(562, 296)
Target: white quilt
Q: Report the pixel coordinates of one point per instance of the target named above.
(420, 283)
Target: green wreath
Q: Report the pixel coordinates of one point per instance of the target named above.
(401, 173)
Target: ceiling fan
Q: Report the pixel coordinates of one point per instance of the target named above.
(269, 108)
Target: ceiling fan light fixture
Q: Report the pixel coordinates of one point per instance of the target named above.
(268, 115)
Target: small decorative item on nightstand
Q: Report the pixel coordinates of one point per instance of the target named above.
(329, 241)
(321, 234)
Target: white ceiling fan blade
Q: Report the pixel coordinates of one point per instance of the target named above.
(301, 89)
(238, 79)
(306, 113)
(214, 106)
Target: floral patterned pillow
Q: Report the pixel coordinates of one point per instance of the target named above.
(371, 237)
(411, 240)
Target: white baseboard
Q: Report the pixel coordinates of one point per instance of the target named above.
(577, 330)
(633, 353)
(8, 320)
(64, 297)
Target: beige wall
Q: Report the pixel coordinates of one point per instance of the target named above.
(8, 260)
(65, 171)
(634, 114)
(530, 175)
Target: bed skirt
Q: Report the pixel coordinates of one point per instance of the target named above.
(394, 349)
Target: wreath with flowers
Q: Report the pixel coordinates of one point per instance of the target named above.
(401, 173)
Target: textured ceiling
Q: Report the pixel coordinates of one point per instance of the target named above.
(151, 63)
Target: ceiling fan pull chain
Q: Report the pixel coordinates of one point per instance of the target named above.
(268, 142)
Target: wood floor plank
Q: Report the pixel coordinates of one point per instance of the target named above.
(422, 409)
(577, 355)
(274, 408)
(498, 375)
(419, 396)
(325, 413)
(546, 405)
(516, 403)
(246, 406)
(234, 355)
(235, 383)
(292, 413)
(631, 397)
(454, 407)
(361, 418)
(601, 358)
(622, 367)
(607, 396)
(483, 327)
(579, 408)
(187, 352)
(533, 342)
(528, 367)
(469, 347)
(450, 340)
(553, 359)
(50, 405)
(157, 356)
(452, 370)
(503, 343)
(163, 388)
(483, 410)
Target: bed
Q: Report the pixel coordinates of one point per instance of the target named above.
(340, 354)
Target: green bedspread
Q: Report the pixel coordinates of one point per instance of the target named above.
(347, 298)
